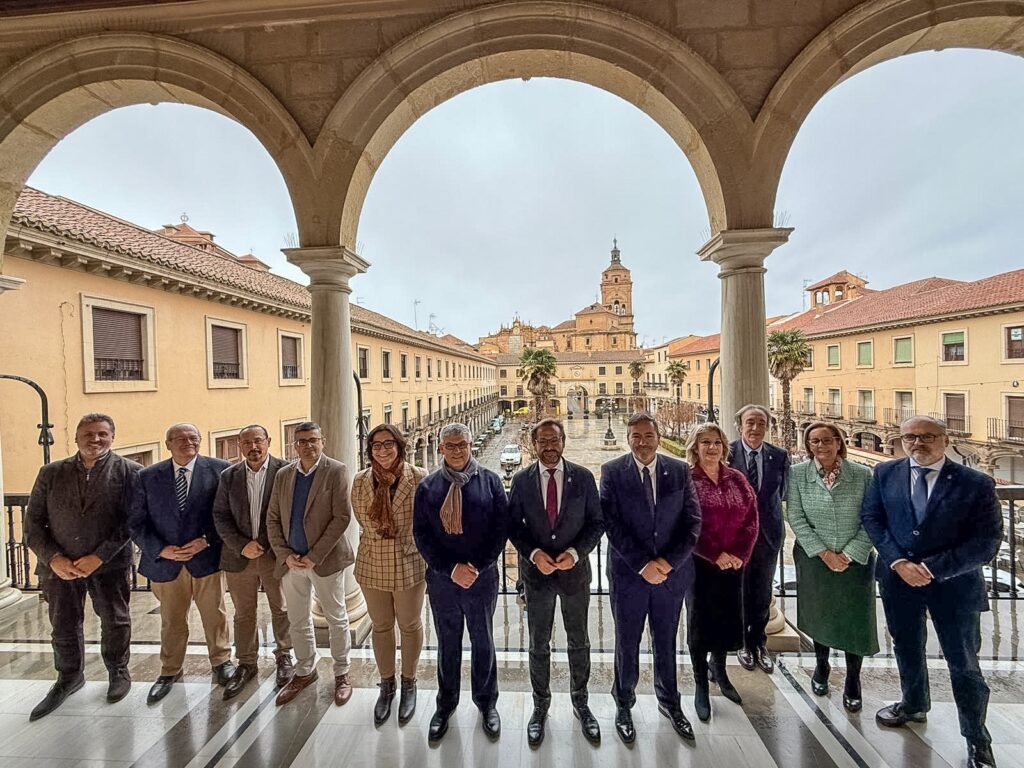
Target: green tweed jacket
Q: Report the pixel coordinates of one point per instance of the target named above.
(829, 519)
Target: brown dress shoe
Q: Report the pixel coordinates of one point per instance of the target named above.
(295, 686)
(342, 689)
(285, 669)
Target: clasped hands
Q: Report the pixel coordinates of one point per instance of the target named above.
(836, 561)
(186, 552)
(727, 562)
(298, 561)
(69, 569)
(547, 564)
(656, 571)
(914, 574)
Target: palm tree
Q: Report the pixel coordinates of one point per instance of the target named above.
(676, 371)
(787, 357)
(636, 371)
(539, 367)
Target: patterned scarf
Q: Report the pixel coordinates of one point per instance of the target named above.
(451, 507)
(382, 516)
(829, 476)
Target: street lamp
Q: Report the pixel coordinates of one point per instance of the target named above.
(609, 436)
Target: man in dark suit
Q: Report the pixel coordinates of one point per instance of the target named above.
(554, 522)
(767, 469)
(934, 523)
(172, 522)
(240, 514)
(460, 519)
(77, 525)
(652, 517)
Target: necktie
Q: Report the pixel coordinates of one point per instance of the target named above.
(919, 496)
(552, 499)
(752, 474)
(648, 488)
(181, 488)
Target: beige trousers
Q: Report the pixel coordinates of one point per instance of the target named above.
(176, 598)
(244, 587)
(405, 607)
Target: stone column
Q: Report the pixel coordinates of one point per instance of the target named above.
(8, 594)
(743, 372)
(332, 391)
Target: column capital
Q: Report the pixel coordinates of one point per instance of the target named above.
(330, 266)
(742, 250)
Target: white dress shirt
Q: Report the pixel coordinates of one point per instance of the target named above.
(254, 485)
(298, 466)
(653, 469)
(543, 473)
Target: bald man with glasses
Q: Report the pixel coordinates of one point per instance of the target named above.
(934, 523)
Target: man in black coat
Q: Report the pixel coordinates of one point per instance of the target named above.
(554, 522)
(767, 469)
(77, 525)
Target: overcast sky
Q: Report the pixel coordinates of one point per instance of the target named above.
(506, 198)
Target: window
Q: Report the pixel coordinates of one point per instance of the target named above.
(602, 389)
(636, 387)
(405, 415)
(955, 411)
(866, 404)
(904, 402)
(289, 358)
(903, 350)
(618, 370)
(865, 354)
(226, 354)
(226, 447)
(363, 362)
(1015, 418)
(953, 347)
(1014, 335)
(288, 439)
(118, 345)
(145, 455)
(503, 373)
(832, 353)
(600, 370)
(698, 365)
(689, 391)
(808, 400)
(809, 360)
(698, 391)
(403, 365)
(419, 410)
(504, 390)
(834, 406)
(438, 368)
(619, 388)
(519, 391)
(430, 368)
(385, 364)
(367, 416)
(418, 368)
(447, 372)
(387, 414)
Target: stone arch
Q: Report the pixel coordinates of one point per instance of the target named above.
(603, 47)
(872, 32)
(50, 93)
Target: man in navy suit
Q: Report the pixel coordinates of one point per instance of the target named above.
(554, 522)
(934, 523)
(767, 469)
(652, 517)
(172, 522)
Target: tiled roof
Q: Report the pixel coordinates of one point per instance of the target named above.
(710, 343)
(839, 277)
(927, 298)
(565, 325)
(611, 356)
(596, 309)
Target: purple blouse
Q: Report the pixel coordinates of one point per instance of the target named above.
(728, 512)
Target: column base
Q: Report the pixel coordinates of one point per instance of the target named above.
(9, 596)
(781, 636)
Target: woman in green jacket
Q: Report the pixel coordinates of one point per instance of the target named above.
(835, 563)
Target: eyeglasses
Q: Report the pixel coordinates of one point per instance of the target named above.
(821, 441)
(456, 447)
(383, 445)
(553, 442)
(307, 442)
(927, 438)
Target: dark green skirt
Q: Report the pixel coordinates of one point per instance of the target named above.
(836, 609)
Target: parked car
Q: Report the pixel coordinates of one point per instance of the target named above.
(511, 456)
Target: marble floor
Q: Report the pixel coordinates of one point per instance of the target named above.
(779, 724)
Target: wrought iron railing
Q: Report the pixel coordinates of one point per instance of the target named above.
(830, 410)
(863, 413)
(955, 424)
(115, 369)
(895, 416)
(1006, 431)
(227, 370)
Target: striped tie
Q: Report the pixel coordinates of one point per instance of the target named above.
(181, 488)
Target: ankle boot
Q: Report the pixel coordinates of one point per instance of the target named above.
(822, 669)
(382, 709)
(701, 694)
(407, 703)
(724, 683)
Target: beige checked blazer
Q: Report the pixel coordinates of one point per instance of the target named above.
(390, 565)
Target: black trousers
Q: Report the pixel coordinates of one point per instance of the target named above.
(957, 623)
(455, 610)
(758, 576)
(540, 601)
(109, 592)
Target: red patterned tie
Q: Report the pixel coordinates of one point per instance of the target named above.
(552, 500)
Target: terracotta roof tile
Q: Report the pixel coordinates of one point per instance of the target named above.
(839, 277)
(701, 344)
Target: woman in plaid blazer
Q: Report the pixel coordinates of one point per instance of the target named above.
(389, 567)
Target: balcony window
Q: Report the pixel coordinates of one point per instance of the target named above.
(602, 389)
(385, 364)
(619, 388)
(832, 353)
(418, 368)
(363, 362)
(117, 345)
(955, 411)
(865, 354)
(954, 347)
(1015, 342)
(226, 359)
(291, 358)
(403, 365)
(387, 414)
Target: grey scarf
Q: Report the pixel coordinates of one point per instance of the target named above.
(451, 507)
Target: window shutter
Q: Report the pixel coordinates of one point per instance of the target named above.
(225, 345)
(116, 335)
(953, 338)
(289, 352)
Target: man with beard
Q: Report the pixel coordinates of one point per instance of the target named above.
(554, 522)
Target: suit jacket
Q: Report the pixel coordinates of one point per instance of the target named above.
(829, 519)
(774, 478)
(60, 522)
(635, 537)
(961, 531)
(390, 565)
(156, 522)
(580, 525)
(325, 519)
(232, 516)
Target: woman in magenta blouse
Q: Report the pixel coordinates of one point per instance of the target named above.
(728, 532)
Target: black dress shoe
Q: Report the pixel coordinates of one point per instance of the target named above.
(894, 715)
(120, 685)
(382, 709)
(243, 675)
(725, 684)
(819, 680)
(55, 697)
(407, 701)
(491, 723)
(980, 756)
(285, 669)
(679, 722)
(624, 725)
(746, 659)
(223, 673)
(764, 660)
(438, 725)
(535, 728)
(852, 704)
(162, 687)
(588, 724)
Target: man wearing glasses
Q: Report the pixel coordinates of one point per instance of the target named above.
(172, 522)
(240, 514)
(306, 521)
(935, 523)
(459, 523)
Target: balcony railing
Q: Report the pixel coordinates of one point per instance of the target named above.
(227, 371)
(115, 369)
(896, 416)
(862, 413)
(804, 409)
(830, 410)
(1006, 431)
(289, 371)
(955, 425)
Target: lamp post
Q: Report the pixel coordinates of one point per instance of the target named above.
(45, 435)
